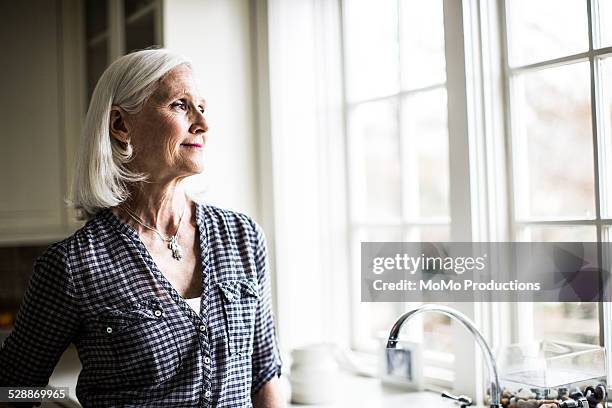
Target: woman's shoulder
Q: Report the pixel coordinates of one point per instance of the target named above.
(231, 219)
(90, 235)
(99, 226)
(55, 254)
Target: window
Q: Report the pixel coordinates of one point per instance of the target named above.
(433, 97)
(397, 146)
(556, 73)
(557, 114)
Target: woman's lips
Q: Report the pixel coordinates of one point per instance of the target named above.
(192, 145)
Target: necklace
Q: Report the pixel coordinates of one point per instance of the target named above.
(173, 245)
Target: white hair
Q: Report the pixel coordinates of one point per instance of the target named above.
(101, 176)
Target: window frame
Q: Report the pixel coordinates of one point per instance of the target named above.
(481, 190)
(486, 117)
(593, 56)
(466, 192)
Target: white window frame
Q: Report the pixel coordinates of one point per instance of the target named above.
(478, 191)
(480, 184)
(478, 203)
(360, 338)
(525, 310)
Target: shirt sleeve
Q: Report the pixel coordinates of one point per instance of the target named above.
(45, 325)
(266, 356)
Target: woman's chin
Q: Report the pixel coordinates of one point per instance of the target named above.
(195, 169)
(180, 169)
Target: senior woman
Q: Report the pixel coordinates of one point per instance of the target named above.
(167, 300)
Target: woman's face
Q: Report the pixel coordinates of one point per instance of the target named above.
(169, 133)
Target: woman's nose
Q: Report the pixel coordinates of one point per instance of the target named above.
(199, 124)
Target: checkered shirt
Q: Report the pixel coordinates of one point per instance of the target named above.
(139, 342)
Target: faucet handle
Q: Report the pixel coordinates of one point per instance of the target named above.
(464, 400)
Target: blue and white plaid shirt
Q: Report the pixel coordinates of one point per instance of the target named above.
(139, 342)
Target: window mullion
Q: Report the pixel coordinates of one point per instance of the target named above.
(600, 164)
(598, 159)
(458, 17)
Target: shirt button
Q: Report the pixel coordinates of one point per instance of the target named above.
(109, 330)
(157, 312)
(207, 360)
(202, 328)
(207, 394)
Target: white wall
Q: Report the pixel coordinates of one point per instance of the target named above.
(216, 35)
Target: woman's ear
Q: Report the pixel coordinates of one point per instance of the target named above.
(119, 128)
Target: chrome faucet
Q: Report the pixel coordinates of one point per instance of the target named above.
(468, 324)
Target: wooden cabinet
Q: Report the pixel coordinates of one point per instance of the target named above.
(56, 51)
(41, 108)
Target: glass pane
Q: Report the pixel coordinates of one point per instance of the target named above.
(376, 318)
(97, 61)
(605, 25)
(140, 32)
(574, 322)
(96, 17)
(437, 332)
(377, 234)
(538, 233)
(131, 7)
(371, 45)
(428, 233)
(374, 158)
(422, 43)
(552, 143)
(606, 139)
(425, 153)
(380, 317)
(540, 30)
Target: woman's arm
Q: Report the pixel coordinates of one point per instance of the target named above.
(266, 361)
(269, 396)
(46, 324)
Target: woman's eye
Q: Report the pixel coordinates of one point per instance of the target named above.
(180, 105)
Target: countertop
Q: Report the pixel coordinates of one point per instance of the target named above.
(356, 392)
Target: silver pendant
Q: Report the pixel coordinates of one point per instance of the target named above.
(176, 249)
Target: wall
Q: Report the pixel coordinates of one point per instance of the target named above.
(215, 34)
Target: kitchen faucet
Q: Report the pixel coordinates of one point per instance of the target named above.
(468, 324)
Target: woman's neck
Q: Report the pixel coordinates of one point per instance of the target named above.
(158, 206)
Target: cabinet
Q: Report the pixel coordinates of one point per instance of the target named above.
(42, 110)
(117, 27)
(56, 51)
